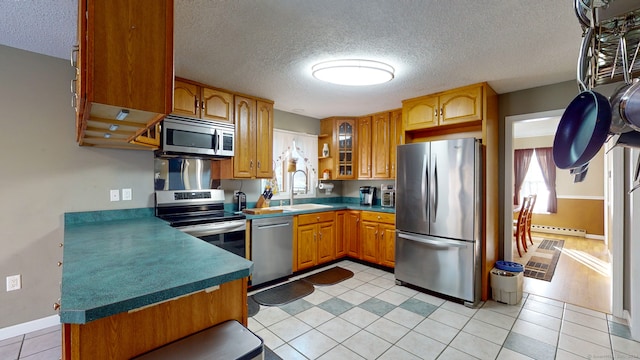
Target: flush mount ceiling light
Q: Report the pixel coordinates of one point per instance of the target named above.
(353, 72)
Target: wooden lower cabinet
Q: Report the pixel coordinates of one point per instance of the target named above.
(129, 334)
(347, 234)
(326, 236)
(377, 238)
(314, 240)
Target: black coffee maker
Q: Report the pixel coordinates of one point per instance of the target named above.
(241, 201)
(367, 195)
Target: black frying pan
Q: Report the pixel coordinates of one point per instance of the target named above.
(585, 123)
(582, 130)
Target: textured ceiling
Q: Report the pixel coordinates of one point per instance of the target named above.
(266, 48)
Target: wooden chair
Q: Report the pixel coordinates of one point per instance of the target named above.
(520, 227)
(532, 203)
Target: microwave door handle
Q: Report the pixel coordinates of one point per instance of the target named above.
(216, 141)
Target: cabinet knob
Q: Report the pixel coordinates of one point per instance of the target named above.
(318, 218)
(56, 306)
(258, 164)
(61, 245)
(59, 263)
(378, 217)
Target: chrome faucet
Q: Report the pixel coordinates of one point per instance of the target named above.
(306, 180)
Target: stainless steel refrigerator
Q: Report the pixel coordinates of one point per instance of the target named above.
(438, 217)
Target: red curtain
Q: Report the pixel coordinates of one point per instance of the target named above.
(545, 160)
(521, 161)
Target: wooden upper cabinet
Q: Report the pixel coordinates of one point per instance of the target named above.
(364, 147)
(253, 156)
(244, 160)
(216, 105)
(396, 139)
(461, 105)
(344, 147)
(380, 145)
(264, 140)
(202, 102)
(420, 113)
(447, 108)
(124, 62)
(130, 54)
(185, 99)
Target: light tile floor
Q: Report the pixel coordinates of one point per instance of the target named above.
(369, 317)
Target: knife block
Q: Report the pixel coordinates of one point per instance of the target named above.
(262, 202)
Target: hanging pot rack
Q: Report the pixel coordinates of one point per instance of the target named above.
(609, 20)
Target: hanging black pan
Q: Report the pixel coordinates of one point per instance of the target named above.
(585, 123)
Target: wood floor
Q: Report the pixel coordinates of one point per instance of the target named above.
(582, 276)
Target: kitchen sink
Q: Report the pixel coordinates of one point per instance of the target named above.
(301, 207)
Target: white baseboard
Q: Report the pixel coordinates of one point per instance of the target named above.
(595, 237)
(24, 328)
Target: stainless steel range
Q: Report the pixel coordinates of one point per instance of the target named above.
(200, 213)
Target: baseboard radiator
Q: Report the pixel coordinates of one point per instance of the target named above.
(558, 230)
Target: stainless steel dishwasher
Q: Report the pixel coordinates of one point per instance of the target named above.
(271, 248)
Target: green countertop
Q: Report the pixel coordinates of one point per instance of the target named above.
(112, 265)
(334, 207)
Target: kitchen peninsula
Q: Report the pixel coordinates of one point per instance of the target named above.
(131, 283)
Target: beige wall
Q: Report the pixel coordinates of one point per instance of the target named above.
(45, 174)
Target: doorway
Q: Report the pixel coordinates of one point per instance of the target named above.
(512, 126)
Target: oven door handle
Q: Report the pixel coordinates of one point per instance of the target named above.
(214, 229)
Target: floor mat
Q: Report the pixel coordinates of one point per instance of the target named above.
(543, 262)
(253, 306)
(284, 293)
(329, 276)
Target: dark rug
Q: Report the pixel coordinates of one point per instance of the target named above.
(329, 276)
(253, 306)
(543, 262)
(284, 293)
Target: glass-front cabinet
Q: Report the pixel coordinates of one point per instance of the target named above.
(340, 163)
(345, 145)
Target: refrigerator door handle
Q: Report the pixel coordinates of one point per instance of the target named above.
(434, 200)
(425, 183)
(441, 243)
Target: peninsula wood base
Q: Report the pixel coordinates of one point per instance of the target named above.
(129, 334)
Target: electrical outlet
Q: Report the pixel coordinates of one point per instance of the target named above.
(14, 282)
(114, 195)
(126, 194)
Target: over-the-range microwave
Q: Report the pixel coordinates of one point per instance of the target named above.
(182, 136)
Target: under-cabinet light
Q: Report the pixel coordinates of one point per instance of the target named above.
(113, 127)
(122, 114)
(107, 135)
